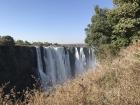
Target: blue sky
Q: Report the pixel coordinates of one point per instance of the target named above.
(60, 21)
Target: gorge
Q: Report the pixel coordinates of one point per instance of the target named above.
(20, 65)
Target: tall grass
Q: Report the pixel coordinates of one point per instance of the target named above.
(114, 83)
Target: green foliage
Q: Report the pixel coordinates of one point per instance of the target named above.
(23, 43)
(41, 44)
(121, 2)
(26, 43)
(99, 31)
(7, 41)
(126, 22)
(117, 27)
(20, 42)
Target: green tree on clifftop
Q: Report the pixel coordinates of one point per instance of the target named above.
(98, 31)
(114, 28)
(7, 40)
(125, 18)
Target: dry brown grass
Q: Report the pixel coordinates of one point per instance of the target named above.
(116, 83)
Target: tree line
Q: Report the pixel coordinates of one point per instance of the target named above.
(112, 29)
(9, 41)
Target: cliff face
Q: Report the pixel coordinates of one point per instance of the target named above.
(17, 66)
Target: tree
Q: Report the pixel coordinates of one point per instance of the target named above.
(7, 40)
(99, 31)
(125, 18)
(26, 43)
(20, 42)
(37, 43)
(115, 28)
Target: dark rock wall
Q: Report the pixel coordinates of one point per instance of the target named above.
(17, 66)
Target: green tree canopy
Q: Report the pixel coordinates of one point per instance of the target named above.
(7, 40)
(114, 28)
(99, 30)
(125, 18)
(117, 27)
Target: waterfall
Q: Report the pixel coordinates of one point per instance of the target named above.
(55, 65)
(80, 61)
(43, 76)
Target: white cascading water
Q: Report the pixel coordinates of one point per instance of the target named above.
(80, 61)
(58, 66)
(40, 68)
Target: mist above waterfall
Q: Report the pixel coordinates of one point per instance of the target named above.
(59, 64)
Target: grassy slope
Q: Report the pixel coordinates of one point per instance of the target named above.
(116, 83)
